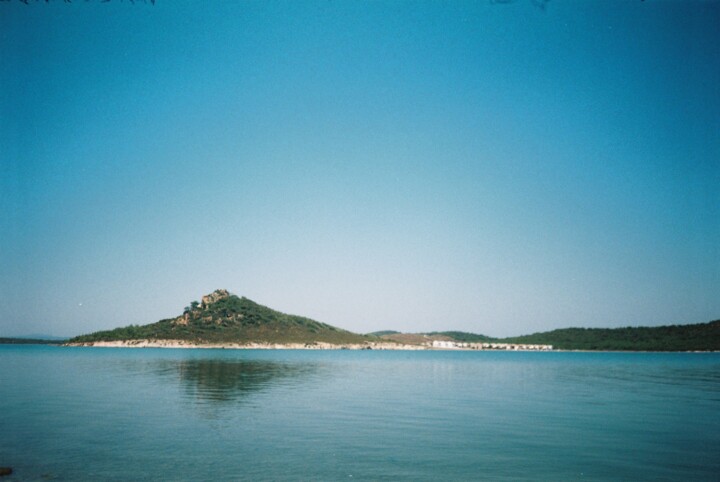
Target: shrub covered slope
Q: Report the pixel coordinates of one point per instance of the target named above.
(226, 318)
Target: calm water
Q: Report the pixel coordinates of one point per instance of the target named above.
(162, 414)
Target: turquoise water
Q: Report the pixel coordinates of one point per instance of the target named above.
(166, 414)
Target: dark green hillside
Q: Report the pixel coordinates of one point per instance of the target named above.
(697, 337)
(225, 318)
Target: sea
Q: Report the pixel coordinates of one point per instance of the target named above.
(107, 414)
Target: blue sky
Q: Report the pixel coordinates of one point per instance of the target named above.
(480, 166)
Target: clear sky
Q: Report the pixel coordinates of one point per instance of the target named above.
(484, 166)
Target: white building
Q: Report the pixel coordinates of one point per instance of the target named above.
(444, 344)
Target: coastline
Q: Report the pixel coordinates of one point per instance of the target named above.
(149, 343)
(145, 343)
(314, 345)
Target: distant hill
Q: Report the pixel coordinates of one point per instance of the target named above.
(407, 338)
(225, 318)
(384, 332)
(697, 337)
(41, 336)
(30, 341)
(463, 336)
(424, 338)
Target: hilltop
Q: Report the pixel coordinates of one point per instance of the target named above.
(221, 317)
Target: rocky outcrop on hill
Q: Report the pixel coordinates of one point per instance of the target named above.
(214, 297)
(199, 311)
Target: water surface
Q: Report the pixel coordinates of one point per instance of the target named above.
(181, 414)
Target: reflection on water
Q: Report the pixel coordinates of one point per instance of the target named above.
(222, 380)
(230, 380)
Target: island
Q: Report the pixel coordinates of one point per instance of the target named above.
(224, 320)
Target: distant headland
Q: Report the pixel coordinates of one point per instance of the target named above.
(223, 320)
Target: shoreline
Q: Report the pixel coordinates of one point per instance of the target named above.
(148, 343)
(145, 343)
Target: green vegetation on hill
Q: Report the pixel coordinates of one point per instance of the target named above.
(697, 337)
(226, 318)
